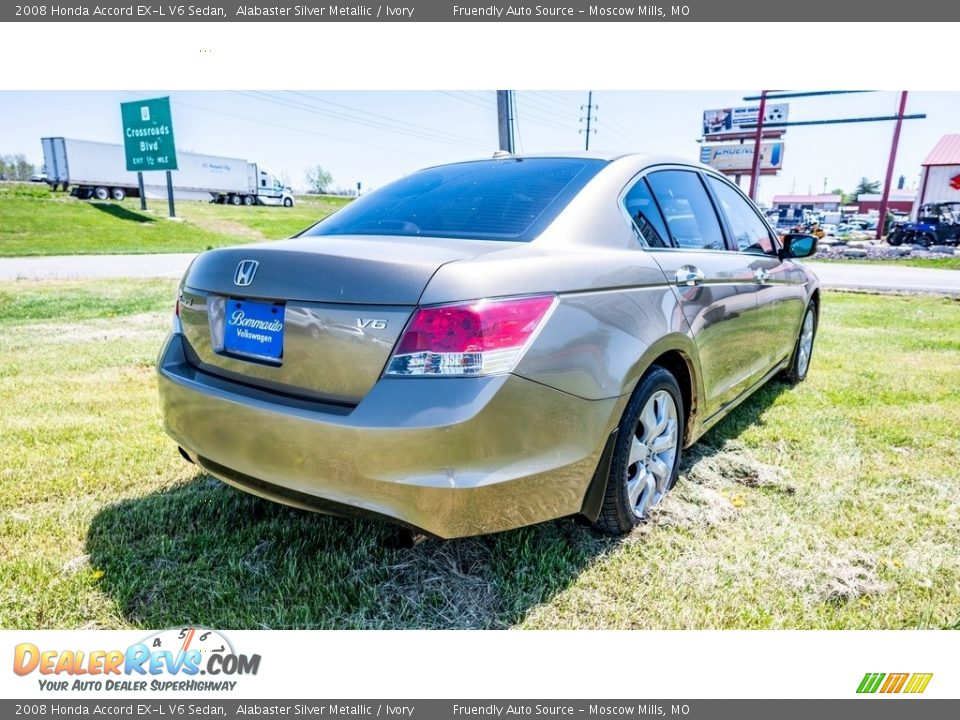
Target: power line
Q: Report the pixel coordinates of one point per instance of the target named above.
(546, 121)
(547, 97)
(296, 129)
(545, 107)
(297, 105)
(469, 99)
(539, 120)
(397, 121)
(479, 96)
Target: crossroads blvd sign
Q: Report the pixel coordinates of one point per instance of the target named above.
(148, 135)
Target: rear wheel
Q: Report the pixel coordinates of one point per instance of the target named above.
(118, 194)
(234, 199)
(101, 193)
(646, 456)
(248, 200)
(800, 364)
(896, 237)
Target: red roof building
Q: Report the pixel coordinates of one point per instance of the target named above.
(940, 179)
(900, 201)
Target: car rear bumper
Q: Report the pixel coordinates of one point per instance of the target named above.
(452, 456)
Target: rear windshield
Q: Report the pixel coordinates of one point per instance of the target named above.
(507, 199)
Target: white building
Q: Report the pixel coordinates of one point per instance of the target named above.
(940, 178)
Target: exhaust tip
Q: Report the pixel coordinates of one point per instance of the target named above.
(183, 454)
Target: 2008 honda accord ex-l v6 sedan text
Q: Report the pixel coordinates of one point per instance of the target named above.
(484, 345)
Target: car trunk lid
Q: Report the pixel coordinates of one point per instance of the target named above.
(313, 317)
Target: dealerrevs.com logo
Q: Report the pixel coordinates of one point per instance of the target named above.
(181, 659)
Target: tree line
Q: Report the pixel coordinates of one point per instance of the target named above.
(16, 167)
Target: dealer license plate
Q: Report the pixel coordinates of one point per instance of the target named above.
(254, 329)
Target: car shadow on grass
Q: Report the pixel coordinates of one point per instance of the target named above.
(121, 213)
(205, 553)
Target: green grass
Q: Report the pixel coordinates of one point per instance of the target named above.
(835, 504)
(35, 221)
(942, 263)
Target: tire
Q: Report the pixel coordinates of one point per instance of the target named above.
(655, 414)
(896, 238)
(248, 200)
(101, 193)
(234, 199)
(118, 194)
(288, 202)
(800, 362)
(926, 239)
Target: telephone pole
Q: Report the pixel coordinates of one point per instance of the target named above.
(589, 107)
(505, 119)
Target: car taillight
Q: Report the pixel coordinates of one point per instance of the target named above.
(482, 337)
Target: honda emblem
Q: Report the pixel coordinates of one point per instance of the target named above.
(245, 272)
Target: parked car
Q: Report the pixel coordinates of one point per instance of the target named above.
(485, 345)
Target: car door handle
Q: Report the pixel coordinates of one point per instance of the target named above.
(689, 275)
(761, 275)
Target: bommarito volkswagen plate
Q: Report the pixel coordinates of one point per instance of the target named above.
(490, 344)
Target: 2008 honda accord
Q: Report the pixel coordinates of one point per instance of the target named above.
(485, 345)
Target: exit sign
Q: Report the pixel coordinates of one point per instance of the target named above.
(148, 135)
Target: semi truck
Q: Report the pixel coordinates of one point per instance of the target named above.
(97, 170)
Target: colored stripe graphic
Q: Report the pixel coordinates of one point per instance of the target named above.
(894, 683)
(870, 682)
(918, 683)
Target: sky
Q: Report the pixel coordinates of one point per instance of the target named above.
(374, 137)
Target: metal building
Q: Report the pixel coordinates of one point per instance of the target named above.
(940, 178)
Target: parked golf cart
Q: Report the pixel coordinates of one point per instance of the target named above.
(937, 224)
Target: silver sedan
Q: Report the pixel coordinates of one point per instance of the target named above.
(485, 345)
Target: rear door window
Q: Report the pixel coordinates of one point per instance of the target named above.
(505, 199)
(750, 233)
(687, 209)
(646, 217)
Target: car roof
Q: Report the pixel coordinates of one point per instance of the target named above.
(638, 159)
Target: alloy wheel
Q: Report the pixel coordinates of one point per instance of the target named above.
(653, 452)
(805, 347)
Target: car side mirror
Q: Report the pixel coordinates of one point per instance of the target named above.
(798, 245)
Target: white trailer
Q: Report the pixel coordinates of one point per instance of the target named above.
(98, 170)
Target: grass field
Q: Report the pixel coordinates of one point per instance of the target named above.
(35, 221)
(835, 504)
(941, 263)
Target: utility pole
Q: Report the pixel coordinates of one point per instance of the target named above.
(884, 202)
(505, 119)
(755, 172)
(589, 107)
